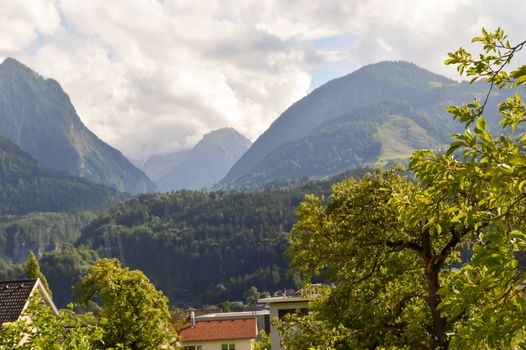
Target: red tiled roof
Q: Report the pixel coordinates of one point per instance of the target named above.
(219, 330)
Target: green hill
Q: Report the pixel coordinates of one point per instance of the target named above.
(199, 248)
(368, 136)
(42, 210)
(26, 186)
(300, 143)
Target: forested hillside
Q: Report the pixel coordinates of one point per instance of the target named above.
(199, 248)
(41, 210)
(346, 123)
(376, 134)
(26, 186)
(39, 232)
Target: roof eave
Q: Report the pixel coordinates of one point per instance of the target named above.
(47, 297)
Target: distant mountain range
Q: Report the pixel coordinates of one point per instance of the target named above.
(372, 116)
(37, 115)
(27, 186)
(200, 167)
(157, 166)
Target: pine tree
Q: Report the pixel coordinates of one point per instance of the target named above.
(33, 270)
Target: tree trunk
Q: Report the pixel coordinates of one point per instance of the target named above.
(439, 338)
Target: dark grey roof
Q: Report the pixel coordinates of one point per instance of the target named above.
(13, 297)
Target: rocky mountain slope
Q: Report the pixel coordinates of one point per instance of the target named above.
(207, 162)
(37, 115)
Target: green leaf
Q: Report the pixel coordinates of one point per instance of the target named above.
(517, 159)
(458, 217)
(454, 146)
(481, 123)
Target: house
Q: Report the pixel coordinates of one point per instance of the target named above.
(15, 297)
(286, 302)
(261, 316)
(223, 331)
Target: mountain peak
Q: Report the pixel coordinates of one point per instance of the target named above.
(224, 138)
(11, 61)
(223, 133)
(207, 162)
(12, 64)
(408, 69)
(385, 80)
(400, 75)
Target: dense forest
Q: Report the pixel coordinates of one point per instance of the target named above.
(26, 186)
(41, 210)
(198, 247)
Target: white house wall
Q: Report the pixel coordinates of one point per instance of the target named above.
(240, 344)
(274, 309)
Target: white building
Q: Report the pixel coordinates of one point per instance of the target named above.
(279, 306)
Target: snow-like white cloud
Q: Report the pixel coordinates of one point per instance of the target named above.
(22, 22)
(150, 76)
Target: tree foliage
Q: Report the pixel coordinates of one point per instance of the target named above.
(377, 262)
(389, 245)
(65, 268)
(47, 331)
(133, 314)
(33, 271)
(264, 342)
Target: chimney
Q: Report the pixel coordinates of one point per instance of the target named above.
(192, 318)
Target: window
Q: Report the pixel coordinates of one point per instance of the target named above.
(193, 347)
(228, 347)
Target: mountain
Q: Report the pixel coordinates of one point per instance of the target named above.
(158, 165)
(301, 129)
(27, 186)
(207, 162)
(37, 115)
(384, 131)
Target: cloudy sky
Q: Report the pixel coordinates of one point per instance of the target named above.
(153, 76)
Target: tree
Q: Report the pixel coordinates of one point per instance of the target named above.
(133, 314)
(45, 330)
(383, 295)
(487, 294)
(390, 245)
(252, 295)
(33, 271)
(264, 342)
